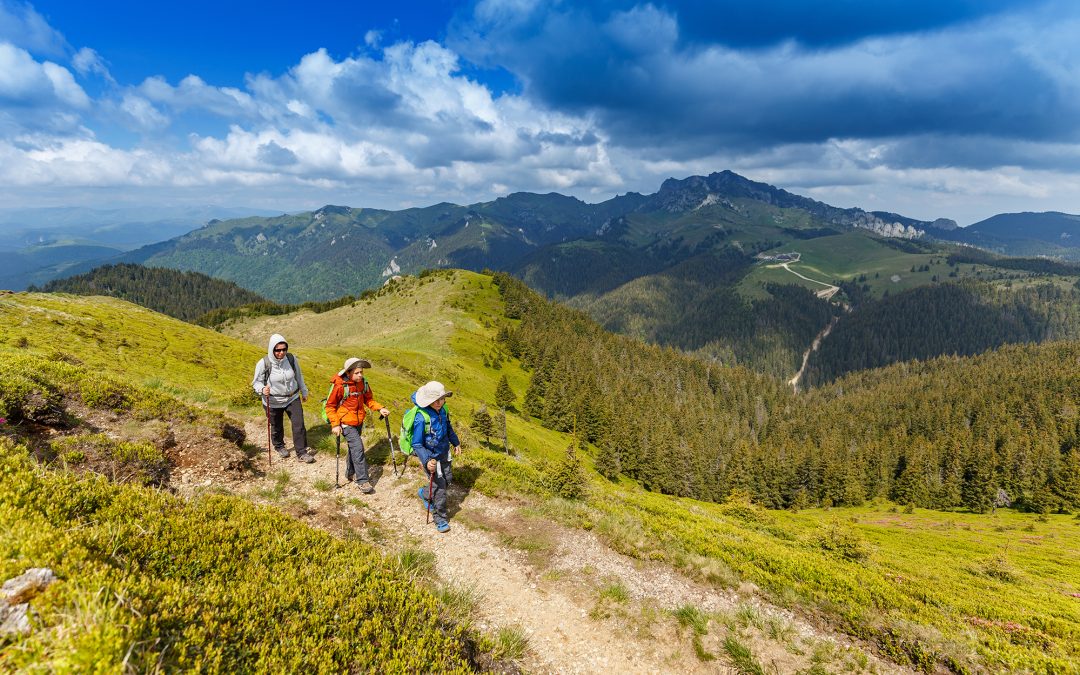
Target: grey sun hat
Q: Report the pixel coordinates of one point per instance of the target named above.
(431, 392)
(349, 363)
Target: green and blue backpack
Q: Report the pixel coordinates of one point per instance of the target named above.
(407, 421)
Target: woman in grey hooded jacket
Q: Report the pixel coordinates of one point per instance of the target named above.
(280, 383)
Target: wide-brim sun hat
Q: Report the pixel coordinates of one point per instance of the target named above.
(352, 363)
(431, 392)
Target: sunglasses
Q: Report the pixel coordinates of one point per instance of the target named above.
(276, 350)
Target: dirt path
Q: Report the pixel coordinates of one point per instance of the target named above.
(555, 598)
(824, 294)
(794, 381)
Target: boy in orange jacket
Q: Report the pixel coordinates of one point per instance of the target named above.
(346, 414)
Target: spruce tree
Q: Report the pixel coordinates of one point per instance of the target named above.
(504, 395)
(534, 401)
(608, 464)
(1066, 483)
(568, 479)
(482, 423)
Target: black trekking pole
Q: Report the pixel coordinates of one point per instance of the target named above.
(337, 462)
(430, 495)
(269, 433)
(390, 440)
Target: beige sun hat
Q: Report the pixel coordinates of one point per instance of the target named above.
(349, 363)
(431, 392)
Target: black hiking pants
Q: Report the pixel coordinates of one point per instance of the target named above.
(295, 412)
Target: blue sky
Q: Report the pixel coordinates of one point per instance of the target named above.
(954, 108)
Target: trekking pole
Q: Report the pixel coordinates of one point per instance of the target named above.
(337, 462)
(430, 496)
(390, 440)
(269, 432)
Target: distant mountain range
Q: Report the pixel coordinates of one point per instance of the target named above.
(1050, 234)
(338, 249)
(731, 269)
(39, 244)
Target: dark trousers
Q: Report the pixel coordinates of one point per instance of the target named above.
(299, 431)
(355, 460)
(438, 487)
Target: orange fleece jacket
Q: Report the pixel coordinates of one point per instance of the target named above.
(349, 410)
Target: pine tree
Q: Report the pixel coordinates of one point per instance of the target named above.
(534, 401)
(558, 410)
(1066, 482)
(482, 423)
(608, 464)
(568, 479)
(504, 395)
(978, 489)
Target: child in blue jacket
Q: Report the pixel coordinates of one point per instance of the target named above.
(432, 439)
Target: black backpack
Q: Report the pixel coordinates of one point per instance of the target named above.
(266, 370)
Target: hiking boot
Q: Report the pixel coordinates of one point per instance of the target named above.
(423, 499)
(366, 487)
(305, 458)
(442, 526)
(283, 453)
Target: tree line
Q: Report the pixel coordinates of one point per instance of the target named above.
(182, 295)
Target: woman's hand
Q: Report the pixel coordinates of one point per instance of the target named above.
(383, 412)
(336, 430)
(266, 390)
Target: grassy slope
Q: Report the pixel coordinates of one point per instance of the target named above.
(989, 592)
(137, 344)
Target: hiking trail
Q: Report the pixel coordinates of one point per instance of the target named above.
(549, 585)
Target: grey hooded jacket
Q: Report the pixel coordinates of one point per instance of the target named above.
(286, 384)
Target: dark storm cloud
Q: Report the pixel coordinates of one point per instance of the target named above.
(694, 78)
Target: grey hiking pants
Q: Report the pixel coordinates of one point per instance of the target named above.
(443, 476)
(299, 432)
(355, 460)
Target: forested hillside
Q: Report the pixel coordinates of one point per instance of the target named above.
(696, 307)
(944, 319)
(947, 433)
(184, 295)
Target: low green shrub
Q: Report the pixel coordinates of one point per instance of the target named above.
(25, 394)
(120, 460)
(101, 392)
(842, 540)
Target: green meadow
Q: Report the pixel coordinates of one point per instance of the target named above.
(934, 590)
(862, 257)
